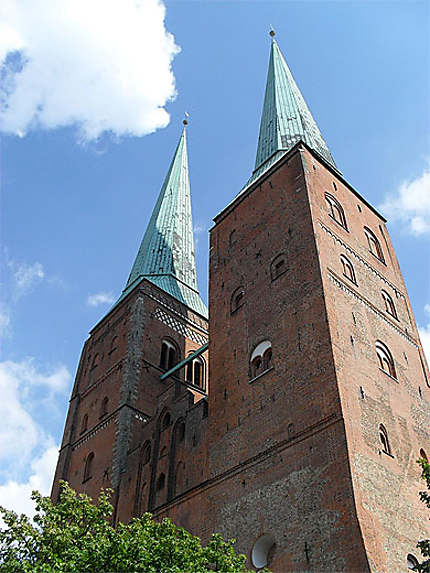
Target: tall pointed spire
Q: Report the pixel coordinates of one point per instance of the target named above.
(166, 254)
(286, 119)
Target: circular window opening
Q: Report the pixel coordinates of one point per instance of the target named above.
(263, 550)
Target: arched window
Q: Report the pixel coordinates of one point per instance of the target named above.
(278, 266)
(146, 456)
(104, 407)
(335, 210)
(261, 358)
(412, 562)
(263, 550)
(389, 304)
(169, 355)
(195, 372)
(383, 438)
(160, 482)
(423, 455)
(88, 470)
(348, 269)
(237, 299)
(386, 362)
(374, 245)
(166, 421)
(84, 424)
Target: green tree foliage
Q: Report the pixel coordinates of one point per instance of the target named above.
(76, 535)
(424, 545)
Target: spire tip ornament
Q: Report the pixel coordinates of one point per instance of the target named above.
(272, 32)
(185, 120)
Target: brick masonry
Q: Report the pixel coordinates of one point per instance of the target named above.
(295, 451)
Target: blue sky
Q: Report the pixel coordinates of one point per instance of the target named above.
(76, 198)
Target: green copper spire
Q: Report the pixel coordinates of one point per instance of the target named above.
(166, 254)
(286, 119)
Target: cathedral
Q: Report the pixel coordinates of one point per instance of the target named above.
(291, 415)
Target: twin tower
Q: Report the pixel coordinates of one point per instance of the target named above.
(292, 417)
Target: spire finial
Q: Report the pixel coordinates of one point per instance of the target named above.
(272, 32)
(185, 120)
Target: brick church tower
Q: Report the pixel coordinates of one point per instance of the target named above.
(302, 443)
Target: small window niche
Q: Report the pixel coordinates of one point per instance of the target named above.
(263, 551)
(237, 299)
(278, 266)
(261, 359)
(348, 269)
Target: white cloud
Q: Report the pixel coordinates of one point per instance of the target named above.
(103, 65)
(25, 392)
(15, 495)
(100, 298)
(411, 204)
(425, 334)
(26, 276)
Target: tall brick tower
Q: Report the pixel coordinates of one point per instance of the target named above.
(304, 449)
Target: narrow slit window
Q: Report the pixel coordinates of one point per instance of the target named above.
(348, 269)
(88, 469)
(383, 438)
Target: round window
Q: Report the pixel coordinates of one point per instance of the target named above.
(263, 550)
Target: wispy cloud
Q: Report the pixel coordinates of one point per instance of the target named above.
(103, 66)
(25, 277)
(100, 298)
(425, 334)
(411, 204)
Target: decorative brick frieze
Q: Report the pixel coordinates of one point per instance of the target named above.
(179, 326)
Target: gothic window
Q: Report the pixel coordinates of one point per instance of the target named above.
(335, 210)
(383, 438)
(166, 421)
(84, 425)
(261, 358)
(160, 482)
(412, 562)
(237, 299)
(348, 269)
(104, 407)
(263, 551)
(374, 245)
(146, 454)
(169, 355)
(194, 373)
(389, 304)
(88, 470)
(386, 362)
(423, 455)
(278, 266)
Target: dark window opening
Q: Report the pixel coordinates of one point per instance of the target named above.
(84, 425)
(335, 210)
(146, 454)
(168, 356)
(160, 482)
(237, 299)
(385, 359)
(278, 266)
(88, 470)
(383, 438)
(104, 407)
(166, 422)
(389, 304)
(412, 562)
(348, 269)
(423, 455)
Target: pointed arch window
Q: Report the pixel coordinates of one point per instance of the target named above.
(383, 438)
(166, 421)
(348, 269)
(195, 372)
(237, 299)
(423, 455)
(278, 266)
(261, 358)
(374, 245)
(88, 469)
(389, 304)
(385, 359)
(169, 355)
(335, 210)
